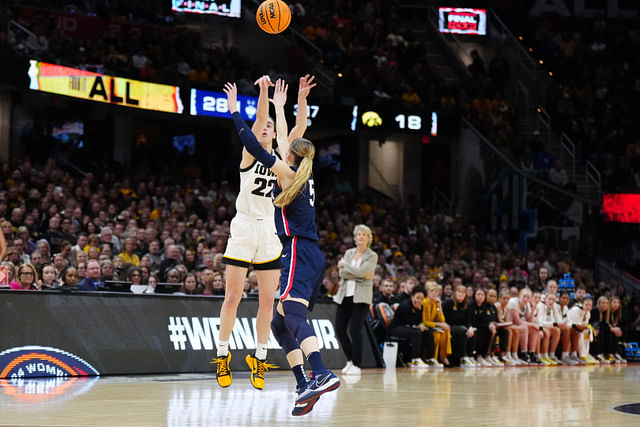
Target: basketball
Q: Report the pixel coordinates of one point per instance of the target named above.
(273, 16)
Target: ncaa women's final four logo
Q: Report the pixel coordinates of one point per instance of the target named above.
(37, 361)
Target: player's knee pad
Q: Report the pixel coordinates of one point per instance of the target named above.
(282, 334)
(295, 317)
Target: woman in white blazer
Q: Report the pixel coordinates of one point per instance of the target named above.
(354, 296)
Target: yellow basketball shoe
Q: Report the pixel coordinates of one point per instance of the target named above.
(258, 368)
(223, 373)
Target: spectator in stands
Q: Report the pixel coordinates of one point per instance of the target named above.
(106, 270)
(36, 259)
(134, 275)
(190, 285)
(385, 293)
(154, 254)
(48, 279)
(544, 161)
(27, 278)
(354, 296)
(106, 236)
(93, 281)
(218, 284)
(407, 323)
(151, 285)
(477, 68)
(541, 283)
(171, 261)
(79, 257)
(433, 318)
(145, 274)
(207, 281)
(10, 271)
(579, 295)
(119, 271)
(499, 70)
(558, 174)
(82, 270)
(68, 278)
(128, 254)
(173, 276)
(59, 262)
(81, 241)
(457, 315)
(405, 287)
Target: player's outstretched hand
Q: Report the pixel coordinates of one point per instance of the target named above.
(232, 96)
(264, 82)
(306, 84)
(280, 93)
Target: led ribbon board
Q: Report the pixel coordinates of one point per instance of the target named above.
(214, 104)
(98, 87)
(230, 8)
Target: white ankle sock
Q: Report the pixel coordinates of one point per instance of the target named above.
(261, 351)
(223, 348)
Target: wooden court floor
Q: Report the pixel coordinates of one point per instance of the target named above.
(564, 396)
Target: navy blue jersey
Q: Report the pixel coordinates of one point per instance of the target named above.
(298, 218)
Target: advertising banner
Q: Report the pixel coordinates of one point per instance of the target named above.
(62, 335)
(97, 87)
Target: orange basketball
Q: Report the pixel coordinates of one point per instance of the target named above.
(273, 16)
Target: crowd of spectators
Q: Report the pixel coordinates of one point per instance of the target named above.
(592, 89)
(53, 217)
(67, 233)
(143, 43)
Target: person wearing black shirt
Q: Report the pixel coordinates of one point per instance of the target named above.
(482, 320)
(407, 323)
(457, 315)
(385, 294)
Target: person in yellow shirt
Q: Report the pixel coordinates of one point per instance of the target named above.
(433, 317)
(128, 255)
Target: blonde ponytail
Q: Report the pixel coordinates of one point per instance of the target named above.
(304, 149)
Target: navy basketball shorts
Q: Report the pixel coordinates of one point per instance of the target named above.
(303, 268)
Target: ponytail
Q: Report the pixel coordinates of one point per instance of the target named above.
(304, 151)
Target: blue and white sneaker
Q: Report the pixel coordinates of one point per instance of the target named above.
(321, 383)
(302, 408)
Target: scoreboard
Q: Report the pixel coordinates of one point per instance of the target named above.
(457, 20)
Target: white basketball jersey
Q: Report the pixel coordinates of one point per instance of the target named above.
(256, 184)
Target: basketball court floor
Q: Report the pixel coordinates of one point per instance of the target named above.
(562, 396)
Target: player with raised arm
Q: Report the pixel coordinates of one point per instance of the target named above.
(303, 262)
(253, 240)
